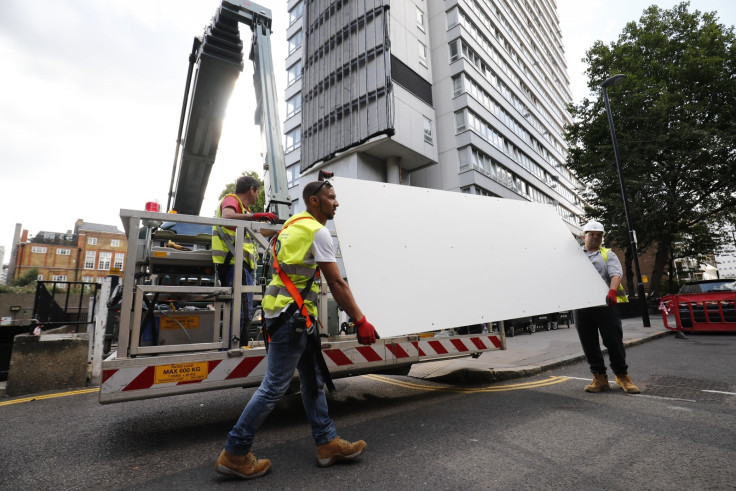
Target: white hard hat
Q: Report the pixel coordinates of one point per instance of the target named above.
(593, 226)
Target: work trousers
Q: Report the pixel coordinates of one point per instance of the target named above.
(283, 357)
(246, 305)
(606, 321)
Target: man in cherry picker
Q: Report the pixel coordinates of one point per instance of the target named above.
(236, 206)
(603, 319)
(302, 250)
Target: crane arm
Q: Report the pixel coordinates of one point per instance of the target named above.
(218, 58)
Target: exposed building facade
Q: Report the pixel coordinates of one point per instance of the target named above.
(459, 95)
(89, 253)
(726, 258)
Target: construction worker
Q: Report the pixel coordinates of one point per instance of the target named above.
(604, 319)
(236, 206)
(302, 251)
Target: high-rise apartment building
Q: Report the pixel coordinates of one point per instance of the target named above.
(458, 95)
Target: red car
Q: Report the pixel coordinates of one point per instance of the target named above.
(707, 305)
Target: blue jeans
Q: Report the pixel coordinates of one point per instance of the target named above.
(247, 280)
(283, 358)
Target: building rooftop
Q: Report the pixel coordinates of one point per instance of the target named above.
(58, 238)
(98, 227)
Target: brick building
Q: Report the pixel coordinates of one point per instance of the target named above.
(89, 253)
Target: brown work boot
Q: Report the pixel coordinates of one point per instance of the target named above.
(243, 466)
(600, 382)
(624, 381)
(337, 450)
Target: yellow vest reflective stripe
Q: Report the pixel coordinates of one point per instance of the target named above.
(220, 248)
(621, 293)
(292, 246)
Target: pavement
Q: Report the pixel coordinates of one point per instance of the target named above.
(525, 354)
(530, 354)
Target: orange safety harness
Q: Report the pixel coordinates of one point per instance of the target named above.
(290, 286)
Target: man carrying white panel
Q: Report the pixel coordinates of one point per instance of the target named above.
(604, 319)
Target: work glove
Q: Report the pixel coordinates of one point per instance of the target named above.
(265, 216)
(612, 297)
(366, 332)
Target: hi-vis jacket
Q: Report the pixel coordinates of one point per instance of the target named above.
(621, 293)
(223, 241)
(292, 246)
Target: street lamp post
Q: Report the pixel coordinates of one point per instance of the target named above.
(615, 80)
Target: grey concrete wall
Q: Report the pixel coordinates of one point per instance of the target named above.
(48, 362)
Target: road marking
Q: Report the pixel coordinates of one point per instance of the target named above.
(460, 390)
(664, 398)
(49, 396)
(719, 392)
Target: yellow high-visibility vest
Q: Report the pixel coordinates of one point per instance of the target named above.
(220, 248)
(621, 293)
(292, 246)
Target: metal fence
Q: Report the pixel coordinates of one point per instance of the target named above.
(65, 303)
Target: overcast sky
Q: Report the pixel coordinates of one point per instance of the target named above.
(91, 92)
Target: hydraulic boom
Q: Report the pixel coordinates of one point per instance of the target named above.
(215, 64)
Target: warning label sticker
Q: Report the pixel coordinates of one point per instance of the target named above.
(180, 372)
(179, 321)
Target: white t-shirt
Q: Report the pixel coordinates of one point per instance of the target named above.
(322, 250)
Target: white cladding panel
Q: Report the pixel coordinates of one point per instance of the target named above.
(420, 259)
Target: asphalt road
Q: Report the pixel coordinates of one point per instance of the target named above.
(542, 432)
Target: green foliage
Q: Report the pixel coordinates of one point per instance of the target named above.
(675, 128)
(17, 289)
(230, 188)
(28, 278)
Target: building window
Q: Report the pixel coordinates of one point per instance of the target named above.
(39, 277)
(92, 240)
(423, 54)
(63, 252)
(294, 73)
(105, 258)
(428, 130)
(296, 12)
(295, 42)
(59, 277)
(38, 250)
(292, 175)
(294, 105)
(88, 279)
(457, 86)
(452, 17)
(455, 50)
(115, 242)
(420, 20)
(293, 139)
(89, 260)
(119, 260)
(460, 124)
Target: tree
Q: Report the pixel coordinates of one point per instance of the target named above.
(28, 278)
(230, 188)
(675, 127)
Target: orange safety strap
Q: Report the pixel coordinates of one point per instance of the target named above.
(290, 286)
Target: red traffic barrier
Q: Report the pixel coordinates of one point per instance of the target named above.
(700, 311)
